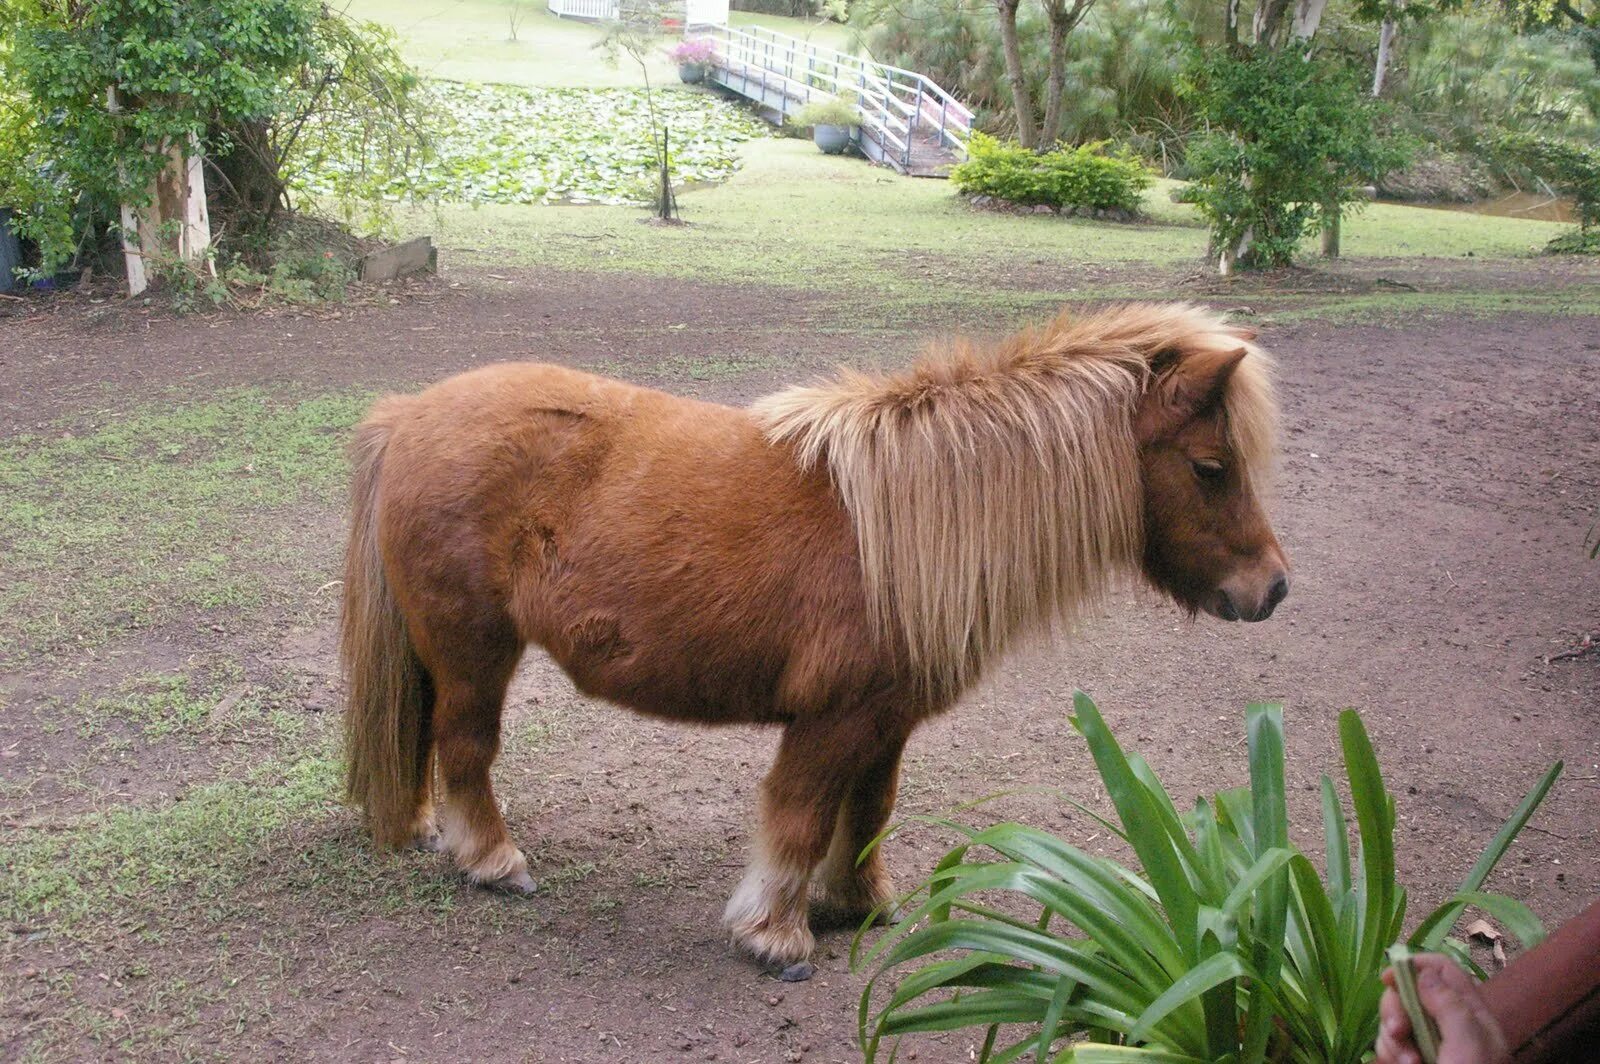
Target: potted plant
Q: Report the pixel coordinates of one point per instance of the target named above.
(833, 123)
(693, 55)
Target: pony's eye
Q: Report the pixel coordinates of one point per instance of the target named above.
(1208, 469)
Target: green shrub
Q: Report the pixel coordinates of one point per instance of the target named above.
(1292, 139)
(830, 111)
(1470, 72)
(1572, 168)
(1085, 176)
(262, 85)
(1226, 946)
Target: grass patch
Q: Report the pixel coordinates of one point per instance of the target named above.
(1392, 306)
(798, 219)
(112, 865)
(168, 507)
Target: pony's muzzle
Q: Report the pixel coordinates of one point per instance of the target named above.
(1251, 600)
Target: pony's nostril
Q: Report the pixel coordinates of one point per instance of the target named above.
(1277, 592)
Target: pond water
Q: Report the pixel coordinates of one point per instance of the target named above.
(1534, 206)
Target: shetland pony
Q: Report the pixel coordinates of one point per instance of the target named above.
(841, 560)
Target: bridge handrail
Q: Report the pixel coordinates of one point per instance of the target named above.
(877, 117)
(869, 81)
(928, 83)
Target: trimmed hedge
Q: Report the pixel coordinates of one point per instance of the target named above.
(1085, 176)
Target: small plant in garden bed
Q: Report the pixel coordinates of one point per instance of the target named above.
(697, 50)
(1226, 945)
(1082, 177)
(827, 111)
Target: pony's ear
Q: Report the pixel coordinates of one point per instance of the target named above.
(1200, 381)
(1185, 389)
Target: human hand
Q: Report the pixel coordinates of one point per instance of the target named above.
(1468, 1031)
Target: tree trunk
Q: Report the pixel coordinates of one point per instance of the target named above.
(1267, 27)
(1230, 26)
(1063, 20)
(1380, 70)
(1021, 98)
(1330, 230)
(1307, 17)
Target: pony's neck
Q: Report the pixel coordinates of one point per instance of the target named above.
(995, 493)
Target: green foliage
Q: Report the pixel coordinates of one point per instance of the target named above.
(1469, 74)
(259, 85)
(830, 111)
(1290, 137)
(1084, 176)
(1122, 71)
(1225, 944)
(179, 67)
(1572, 168)
(355, 122)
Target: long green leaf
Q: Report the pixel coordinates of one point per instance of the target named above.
(1270, 816)
(1517, 917)
(1050, 1027)
(1218, 968)
(1432, 930)
(1336, 840)
(1375, 825)
(1140, 821)
(1097, 1054)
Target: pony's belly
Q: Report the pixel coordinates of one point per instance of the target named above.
(670, 686)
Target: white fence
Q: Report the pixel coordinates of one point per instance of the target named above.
(687, 12)
(597, 10)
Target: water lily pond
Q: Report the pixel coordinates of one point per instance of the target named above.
(504, 144)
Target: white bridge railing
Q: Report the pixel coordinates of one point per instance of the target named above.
(593, 10)
(897, 107)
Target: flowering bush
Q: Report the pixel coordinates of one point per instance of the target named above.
(693, 50)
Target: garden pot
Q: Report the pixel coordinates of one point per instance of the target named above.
(831, 139)
(10, 252)
(691, 73)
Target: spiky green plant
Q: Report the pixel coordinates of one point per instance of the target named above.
(1224, 944)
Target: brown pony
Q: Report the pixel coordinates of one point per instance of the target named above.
(842, 560)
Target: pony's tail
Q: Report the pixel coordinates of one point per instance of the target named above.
(389, 693)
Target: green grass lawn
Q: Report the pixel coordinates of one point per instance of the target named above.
(796, 218)
(470, 40)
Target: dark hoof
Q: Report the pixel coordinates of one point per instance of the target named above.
(428, 843)
(798, 972)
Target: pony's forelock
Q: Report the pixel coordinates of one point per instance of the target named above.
(995, 491)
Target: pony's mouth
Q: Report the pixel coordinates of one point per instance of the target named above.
(1223, 606)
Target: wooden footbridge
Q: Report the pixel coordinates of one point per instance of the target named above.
(906, 121)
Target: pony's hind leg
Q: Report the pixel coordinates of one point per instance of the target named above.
(469, 696)
(853, 887)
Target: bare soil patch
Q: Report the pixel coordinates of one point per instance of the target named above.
(1437, 482)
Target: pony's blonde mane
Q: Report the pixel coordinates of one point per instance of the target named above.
(996, 491)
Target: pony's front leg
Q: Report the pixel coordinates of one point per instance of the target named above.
(854, 887)
(800, 800)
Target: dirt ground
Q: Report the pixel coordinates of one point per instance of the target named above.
(1438, 478)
